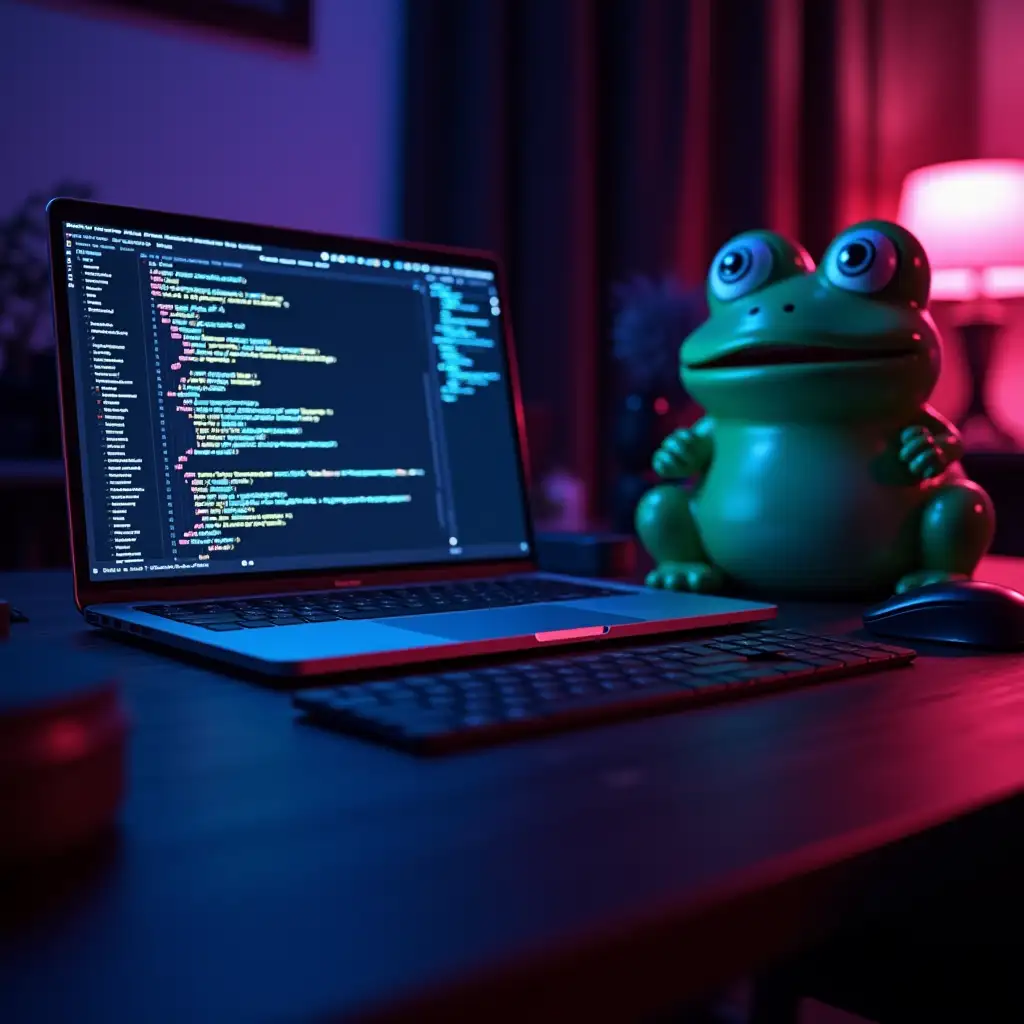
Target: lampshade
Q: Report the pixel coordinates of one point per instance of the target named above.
(969, 216)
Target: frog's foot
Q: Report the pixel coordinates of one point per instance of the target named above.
(956, 530)
(924, 577)
(666, 527)
(696, 576)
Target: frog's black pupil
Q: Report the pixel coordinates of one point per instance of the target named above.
(856, 257)
(734, 265)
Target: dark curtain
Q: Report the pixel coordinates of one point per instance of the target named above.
(590, 142)
(737, 108)
(818, 140)
(551, 131)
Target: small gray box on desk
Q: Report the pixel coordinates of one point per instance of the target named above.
(608, 555)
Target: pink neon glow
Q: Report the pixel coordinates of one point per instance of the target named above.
(969, 216)
(579, 633)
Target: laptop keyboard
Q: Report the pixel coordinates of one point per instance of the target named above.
(422, 599)
(479, 706)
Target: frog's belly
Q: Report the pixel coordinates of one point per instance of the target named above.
(797, 527)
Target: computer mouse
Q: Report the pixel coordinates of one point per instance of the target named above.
(971, 613)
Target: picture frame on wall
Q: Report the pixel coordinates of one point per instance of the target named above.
(286, 23)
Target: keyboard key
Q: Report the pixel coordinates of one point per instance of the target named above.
(353, 700)
(434, 712)
(475, 721)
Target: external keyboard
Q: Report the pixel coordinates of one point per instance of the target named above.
(382, 603)
(480, 706)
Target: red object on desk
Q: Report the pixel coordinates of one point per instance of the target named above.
(62, 752)
(5, 620)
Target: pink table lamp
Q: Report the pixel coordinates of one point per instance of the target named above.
(969, 215)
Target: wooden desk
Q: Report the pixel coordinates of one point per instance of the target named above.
(268, 870)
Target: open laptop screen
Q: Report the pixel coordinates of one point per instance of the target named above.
(249, 406)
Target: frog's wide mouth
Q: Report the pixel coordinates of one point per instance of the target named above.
(793, 355)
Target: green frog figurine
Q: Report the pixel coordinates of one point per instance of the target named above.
(819, 469)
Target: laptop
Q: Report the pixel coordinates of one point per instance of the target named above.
(299, 453)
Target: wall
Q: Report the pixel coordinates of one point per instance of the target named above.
(1001, 116)
(191, 120)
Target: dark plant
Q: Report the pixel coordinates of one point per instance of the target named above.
(652, 319)
(25, 321)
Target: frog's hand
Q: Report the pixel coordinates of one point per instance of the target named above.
(687, 453)
(699, 448)
(929, 445)
(704, 431)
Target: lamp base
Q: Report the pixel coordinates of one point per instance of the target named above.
(977, 428)
(981, 434)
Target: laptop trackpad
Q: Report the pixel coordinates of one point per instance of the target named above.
(498, 622)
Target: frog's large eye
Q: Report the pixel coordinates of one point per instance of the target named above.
(740, 266)
(864, 260)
